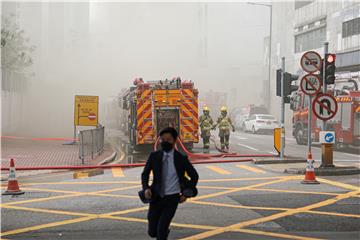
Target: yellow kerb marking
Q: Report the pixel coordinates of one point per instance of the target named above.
(117, 172)
(218, 170)
(251, 169)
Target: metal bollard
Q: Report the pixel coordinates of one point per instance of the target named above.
(327, 155)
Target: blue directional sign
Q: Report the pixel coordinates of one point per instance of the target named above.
(327, 137)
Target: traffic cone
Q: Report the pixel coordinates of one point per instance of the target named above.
(13, 186)
(310, 171)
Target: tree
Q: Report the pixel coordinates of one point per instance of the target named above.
(16, 55)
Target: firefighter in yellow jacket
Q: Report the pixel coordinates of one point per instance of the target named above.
(206, 124)
(224, 123)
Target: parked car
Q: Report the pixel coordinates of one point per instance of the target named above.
(261, 123)
(246, 112)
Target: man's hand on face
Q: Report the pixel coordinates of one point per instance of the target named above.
(182, 199)
(148, 193)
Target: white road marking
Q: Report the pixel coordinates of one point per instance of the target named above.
(240, 138)
(246, 146)
(352, 155)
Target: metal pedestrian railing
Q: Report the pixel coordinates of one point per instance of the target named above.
(91, 142)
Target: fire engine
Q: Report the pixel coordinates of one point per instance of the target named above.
(148, 107)
(346, 122)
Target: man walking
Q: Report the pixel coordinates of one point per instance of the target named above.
(170, 186)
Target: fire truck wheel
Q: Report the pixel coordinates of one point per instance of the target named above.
(299, 135)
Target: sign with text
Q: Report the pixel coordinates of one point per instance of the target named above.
(86, 110)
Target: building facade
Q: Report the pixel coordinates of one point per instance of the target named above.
(301, 26)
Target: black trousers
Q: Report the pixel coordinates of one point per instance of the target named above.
(161, 212)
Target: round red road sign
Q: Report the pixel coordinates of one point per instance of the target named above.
(310, 62)
(310, 84)
(325, 106)
(92, 116)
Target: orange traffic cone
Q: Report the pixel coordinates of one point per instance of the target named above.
(310, 171)
(13, 186)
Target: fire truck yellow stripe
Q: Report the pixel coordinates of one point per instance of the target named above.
(188, 92)
(142, 118)
(141, 108)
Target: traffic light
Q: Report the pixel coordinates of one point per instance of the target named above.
(329, 62)
(288, 87)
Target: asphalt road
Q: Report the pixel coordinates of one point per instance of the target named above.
(261, 143)
(236, 201)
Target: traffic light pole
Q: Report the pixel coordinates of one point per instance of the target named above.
(326, 149)
(282, 120)
(326, 50)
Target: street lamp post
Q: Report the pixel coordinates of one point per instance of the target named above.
(270, 38)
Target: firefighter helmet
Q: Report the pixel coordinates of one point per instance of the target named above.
(206, 109)
(223, 109)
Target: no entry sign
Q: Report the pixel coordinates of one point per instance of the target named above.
(310, 84)
(310, 62)
(325, 106)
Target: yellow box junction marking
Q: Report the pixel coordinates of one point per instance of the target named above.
(117, 172)
(218, 170)
(271, 217)
(239, 227)
(251, 169)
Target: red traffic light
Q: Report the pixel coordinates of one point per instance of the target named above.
(330, 58)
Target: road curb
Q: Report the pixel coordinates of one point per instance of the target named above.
(88, 173)
(278, 161)
(109, 159)
(331, 171)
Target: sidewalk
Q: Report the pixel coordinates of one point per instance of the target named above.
(32, 153)
(280, 168)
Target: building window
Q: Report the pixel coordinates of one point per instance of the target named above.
(351, 27)
(310, 40)
(301, 3)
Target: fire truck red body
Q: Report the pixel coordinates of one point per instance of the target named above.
(346, 122)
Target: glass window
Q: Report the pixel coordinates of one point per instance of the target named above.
(310, 40)
(350, 28)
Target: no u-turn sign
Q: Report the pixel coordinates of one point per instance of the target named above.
(325, 106)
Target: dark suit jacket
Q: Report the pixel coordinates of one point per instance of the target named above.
(182, 165)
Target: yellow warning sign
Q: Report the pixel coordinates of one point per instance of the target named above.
(277, 139)
(86, 110)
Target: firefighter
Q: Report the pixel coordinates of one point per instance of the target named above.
(224, 123)
(206, 124)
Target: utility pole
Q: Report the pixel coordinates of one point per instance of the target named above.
(326, 50)
(282, 120)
